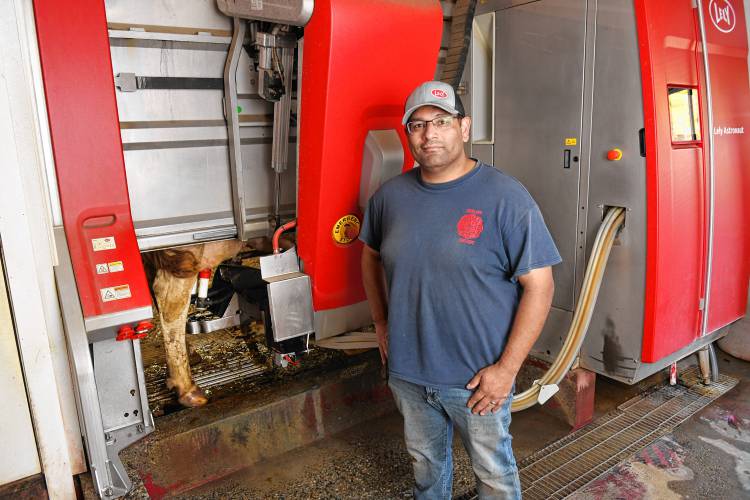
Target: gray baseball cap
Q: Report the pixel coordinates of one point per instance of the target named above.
(438, 94)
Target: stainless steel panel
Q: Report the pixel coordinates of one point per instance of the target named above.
(383, 158)
(613, 344)
(539, 52)
(332, 322)
(175, 140)
(290, 300)
(113, 368)
(279, 264)
(202, 14)
(296, 12)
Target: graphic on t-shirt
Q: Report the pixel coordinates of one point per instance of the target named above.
(470, 226)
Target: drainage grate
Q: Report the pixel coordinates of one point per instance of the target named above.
(574, 461)
(226, 358)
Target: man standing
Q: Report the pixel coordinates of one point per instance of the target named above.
(456, 266)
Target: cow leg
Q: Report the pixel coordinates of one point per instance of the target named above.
(193, 356)
(173, 298)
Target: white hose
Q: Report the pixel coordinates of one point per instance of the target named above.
(592, 281)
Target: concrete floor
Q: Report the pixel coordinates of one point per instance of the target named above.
(706, 457)
(369, 461)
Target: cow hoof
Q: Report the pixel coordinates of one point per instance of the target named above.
(193, 397)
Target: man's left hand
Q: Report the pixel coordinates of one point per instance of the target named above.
(493, 385)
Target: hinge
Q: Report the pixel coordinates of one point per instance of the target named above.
(702, 304)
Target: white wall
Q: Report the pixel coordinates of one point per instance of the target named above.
(16, 431)
(27, 252)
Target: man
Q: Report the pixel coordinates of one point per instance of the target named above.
(456, 266)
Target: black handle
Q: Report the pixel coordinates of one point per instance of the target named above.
(642, 141)
(566, 158)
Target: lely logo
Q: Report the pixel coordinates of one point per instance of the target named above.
(722, 15)
(440, 94)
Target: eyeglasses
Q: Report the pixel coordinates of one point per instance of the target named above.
(439, 122)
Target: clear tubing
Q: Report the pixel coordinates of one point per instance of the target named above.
(592, 280)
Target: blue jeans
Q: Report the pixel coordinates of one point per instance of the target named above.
(430, 415)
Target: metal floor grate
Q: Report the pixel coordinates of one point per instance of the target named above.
(574, 461)
(226, 359)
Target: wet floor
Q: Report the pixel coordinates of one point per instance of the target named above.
(706, 457)
(368, 462)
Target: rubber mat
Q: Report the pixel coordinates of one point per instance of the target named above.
(579, 458)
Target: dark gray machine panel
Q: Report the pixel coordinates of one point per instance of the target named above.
(539, 61)
(613, 343)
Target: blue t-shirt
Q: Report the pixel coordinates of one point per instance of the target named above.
(452, 253)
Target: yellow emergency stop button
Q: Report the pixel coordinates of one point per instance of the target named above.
(346, 229)
(614, 154)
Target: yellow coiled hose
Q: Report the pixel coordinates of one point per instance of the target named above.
(592, 281)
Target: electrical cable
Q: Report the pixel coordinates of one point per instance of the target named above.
(277, 234)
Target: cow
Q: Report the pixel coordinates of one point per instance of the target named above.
(173, 273)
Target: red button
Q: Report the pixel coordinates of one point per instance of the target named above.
(614, 154)
(125, 332)
(144, 326)
(142, 329)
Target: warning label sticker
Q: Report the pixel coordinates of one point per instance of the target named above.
(571, 141)
(116, 266)
(107, 243)
(115, 293)
(102, 269)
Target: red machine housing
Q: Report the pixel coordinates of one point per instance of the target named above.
(83, 120)
(677, 172)
(361, 60)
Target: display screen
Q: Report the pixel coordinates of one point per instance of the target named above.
(684, 114)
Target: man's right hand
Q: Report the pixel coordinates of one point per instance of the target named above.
(381, 331)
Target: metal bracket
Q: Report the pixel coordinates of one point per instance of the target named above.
(233, 126)
(94, 377)
(130, 82)
(230, 318)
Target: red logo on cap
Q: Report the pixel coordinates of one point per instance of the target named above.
(440, 94)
